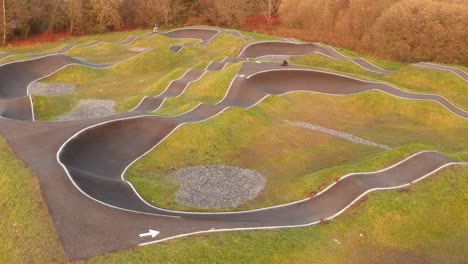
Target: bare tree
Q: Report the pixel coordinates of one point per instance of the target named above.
(269, 8)
(74, 13)
(233, 12)
(4, 23)
(106, 14)
(55, 13)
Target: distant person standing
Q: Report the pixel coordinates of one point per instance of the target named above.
(285, 63)
(156, 28)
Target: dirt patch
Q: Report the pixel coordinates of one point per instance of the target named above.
(90, 108)
(50, 89)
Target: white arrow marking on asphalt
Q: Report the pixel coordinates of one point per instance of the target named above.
(152, 233)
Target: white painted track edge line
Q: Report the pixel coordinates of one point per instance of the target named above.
(388, 168)
(161, 141)
(184, 90)
(393, 187)
(141, 101)
(441, 66)
(300, 225)
(440, 69)
(84, 193)
(73, 46)
(63, 67)
(224, 230)
(364, 91)
(351, 59)
(32, 107)
(167, 87)
(371, 82)
(263, 42)
(52, 53)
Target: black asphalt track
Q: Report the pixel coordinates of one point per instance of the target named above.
(268, 48)
(204, 34)
(96, 163)
(457, 71)
(16, 77)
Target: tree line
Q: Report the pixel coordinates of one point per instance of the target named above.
(407, 30)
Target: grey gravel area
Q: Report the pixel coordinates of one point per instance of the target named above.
(89, 108)
(138, 49)
(335, 133)
(216, 186)
(50, 89)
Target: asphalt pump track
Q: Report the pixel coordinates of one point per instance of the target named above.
(80, 164)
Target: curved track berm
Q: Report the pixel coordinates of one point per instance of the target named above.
(16, 77)
(295, 48)
(96, 164)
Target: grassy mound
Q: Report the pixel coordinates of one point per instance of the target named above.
(102, 53)
(409, 78)
(297, 162)
(210, 89)
(423, 225)
(131, 80)
(389, 227)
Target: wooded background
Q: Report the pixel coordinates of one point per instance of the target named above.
(406, 30)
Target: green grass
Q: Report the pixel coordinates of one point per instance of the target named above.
(51, 46)
(426, 80)
(222, 46)
(23, 52)
(210, 89)
(427, 223)
(103, 53)
(143, 75)
(385, 64)
(154, 90)
(159, 41)
(14, 58)
(125, 83)
(311, 160)
(259, 36)
(389, 226)
(242, 139)
(36, 48)
(48, 108)
(409, 78)
(27, 234)
(322, 62)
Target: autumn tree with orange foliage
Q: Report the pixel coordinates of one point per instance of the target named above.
(407, 30)
(422, 30)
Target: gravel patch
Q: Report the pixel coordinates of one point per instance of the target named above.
(138, 49)
(216, 186)
(50, 89)
(90, 108)
(339, 134)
